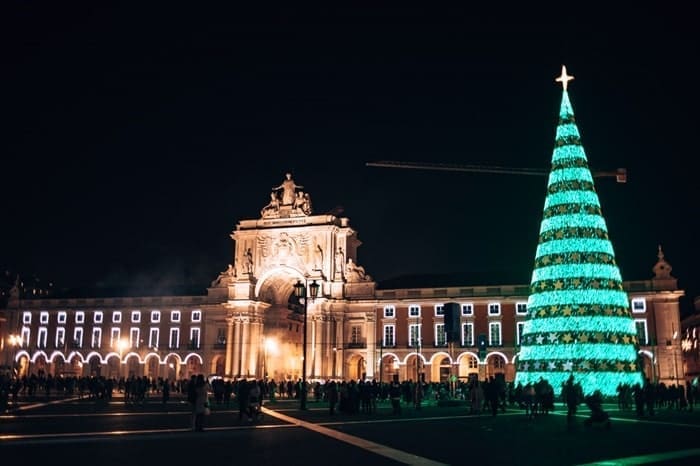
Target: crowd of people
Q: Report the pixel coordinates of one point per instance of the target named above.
(346, 396)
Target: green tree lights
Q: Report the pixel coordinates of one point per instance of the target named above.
(579, 320)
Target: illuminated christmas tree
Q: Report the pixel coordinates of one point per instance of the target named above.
(579, 320)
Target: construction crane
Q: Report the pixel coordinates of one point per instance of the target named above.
(620, 174)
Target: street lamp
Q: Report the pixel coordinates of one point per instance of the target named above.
(300, 292)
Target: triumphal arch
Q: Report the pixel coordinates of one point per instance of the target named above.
(289, 243)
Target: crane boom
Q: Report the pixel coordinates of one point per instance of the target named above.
(620, 174)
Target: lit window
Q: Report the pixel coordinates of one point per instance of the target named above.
(80, 317)
(196, 316)
(98, 317)
(468, 309)
(78, 337)
(27, 318)
(134, 337)
(494, 334)
(117, 317)
(44, 318)
(439, 309)
(60, 337)
(356, 334)
(115, 335)
(153, 338)
(389, 312)
(468, 334)
(521, 308)
(414, 310)
(155, 316)
(494, 309)
(194, 337)
(41, 337)
(414, 335)
(175, 316)
(62, 317)
(25, 336)
(521, 327)
(639, 305)
(96, 337)
(642, 334)
(472, 362)
(174, 338)
(135, 317)
(440, 338)
(389, 335)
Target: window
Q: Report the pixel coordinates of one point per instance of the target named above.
(98, 317)
(62, 317)
(355, 334)
(440, 339)
(134, 337)
(26, 317)
(471, 362)
(43, 317)
(196, 316)
(96, 337)
(389, 335)
(194, 337)
(221, 335)
(494, 334)
(414, 310)
(468, 309)
(642, 334)
(79, 317)
(439, 310)
(174, 338)
(155, 317)
(639, 305)
(389, 312)
(60, 337)
(78, 337)
(41, 337)
(519, 336)
(175, 316)
(494, 309)
(135, 317)
(115, 335)
(521, 308)
(25, 334)
(414, 335)
(117, 317)
(153, 338)
(468, 334)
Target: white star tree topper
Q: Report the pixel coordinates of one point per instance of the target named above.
(564, 78)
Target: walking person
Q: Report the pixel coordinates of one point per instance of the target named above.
(200, 404)
(571, 399)
(332, 396)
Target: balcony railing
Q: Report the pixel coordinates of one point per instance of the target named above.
(356, 345)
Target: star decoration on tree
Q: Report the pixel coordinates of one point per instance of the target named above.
(552, 365)
(553, 337)
(539, 339)
(568, 366)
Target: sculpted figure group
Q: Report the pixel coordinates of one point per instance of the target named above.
(286, 196)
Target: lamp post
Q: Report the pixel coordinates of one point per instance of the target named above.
(300, 292)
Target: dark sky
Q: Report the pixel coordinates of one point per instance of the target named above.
(135, 138)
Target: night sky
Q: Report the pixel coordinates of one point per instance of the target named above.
(135, 138)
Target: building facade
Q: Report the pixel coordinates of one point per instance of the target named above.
(243, 325)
